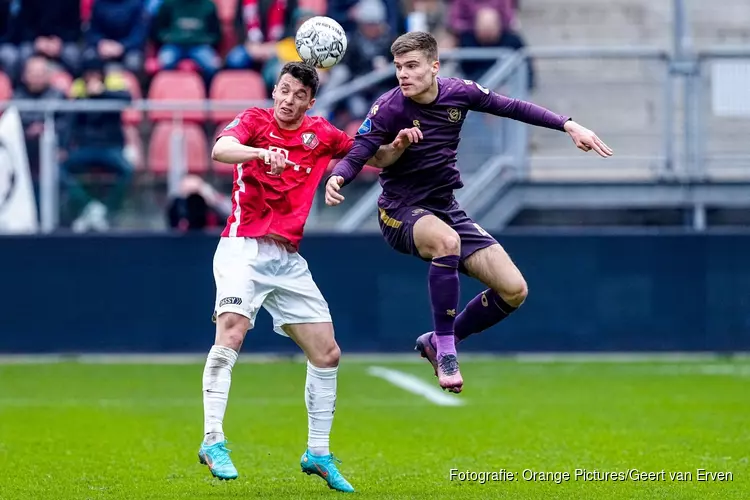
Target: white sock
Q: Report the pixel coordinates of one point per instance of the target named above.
(217, 377)
(320, 399)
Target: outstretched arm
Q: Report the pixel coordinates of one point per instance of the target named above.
(487, 101)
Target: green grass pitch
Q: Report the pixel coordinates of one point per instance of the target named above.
(131, 431)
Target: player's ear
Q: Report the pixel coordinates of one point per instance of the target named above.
(435, 68)
(273, 93)
(311, 104)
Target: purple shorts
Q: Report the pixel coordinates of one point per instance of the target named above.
(397, 226)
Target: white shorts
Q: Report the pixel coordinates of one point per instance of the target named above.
(251, 273)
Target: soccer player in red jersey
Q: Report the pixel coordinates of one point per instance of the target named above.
(281, 154)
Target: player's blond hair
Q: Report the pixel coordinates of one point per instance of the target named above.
(416, 40)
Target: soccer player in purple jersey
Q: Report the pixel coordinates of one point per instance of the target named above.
(418, 213)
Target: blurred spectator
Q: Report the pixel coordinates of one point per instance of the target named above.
(49, 28)
(117, 33)
(429, 16)
(485, 23)
(197, 206)
(369, 49)
(188, 29)
(344, 12)
(261, 24)
(96, 139)
(35, 85)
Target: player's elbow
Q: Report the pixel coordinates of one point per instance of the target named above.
(222, 149)
(216, 152)
(375, 162)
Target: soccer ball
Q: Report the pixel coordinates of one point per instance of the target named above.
(321, 42)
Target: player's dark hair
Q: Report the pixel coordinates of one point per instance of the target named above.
(416, 40)
(304, 73)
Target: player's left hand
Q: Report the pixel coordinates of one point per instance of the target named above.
(406, 137)
(333, 186)
(586, 140)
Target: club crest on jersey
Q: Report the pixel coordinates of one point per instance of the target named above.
(454, 114)
(374, 110)
(365, 127)
(232, 124)
(310, 140)
(416, 123)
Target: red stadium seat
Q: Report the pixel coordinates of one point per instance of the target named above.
(179, 86)
(6, 88)
(236, 85)
(196, 150)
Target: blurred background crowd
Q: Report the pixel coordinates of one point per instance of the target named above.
(196, 49)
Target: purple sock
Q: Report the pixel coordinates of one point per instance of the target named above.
(483, 311)
(444, 288)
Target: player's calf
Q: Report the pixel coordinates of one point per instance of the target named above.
(217, 379)
(436, 240)
(508, 290)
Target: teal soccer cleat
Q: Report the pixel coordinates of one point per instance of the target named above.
(325, 467)
(217, 458)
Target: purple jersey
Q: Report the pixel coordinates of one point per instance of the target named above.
(427, 170)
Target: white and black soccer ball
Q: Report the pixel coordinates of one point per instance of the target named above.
(321, 42)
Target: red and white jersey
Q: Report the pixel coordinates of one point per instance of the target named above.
(265, 204)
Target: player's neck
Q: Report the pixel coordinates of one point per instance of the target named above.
(289, 125)
(428, 96)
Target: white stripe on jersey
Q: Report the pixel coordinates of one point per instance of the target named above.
(237, 206)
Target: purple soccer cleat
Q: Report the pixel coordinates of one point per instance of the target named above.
(446, 370)
(449, 376)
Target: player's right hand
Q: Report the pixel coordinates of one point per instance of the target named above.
(333, 186)
(276, 160)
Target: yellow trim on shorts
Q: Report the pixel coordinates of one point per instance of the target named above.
(388, 220)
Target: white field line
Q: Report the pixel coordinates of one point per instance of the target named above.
(415, 385)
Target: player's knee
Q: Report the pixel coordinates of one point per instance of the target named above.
(326, 357)
(231, 330)
(514, 292)
(447, 243)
